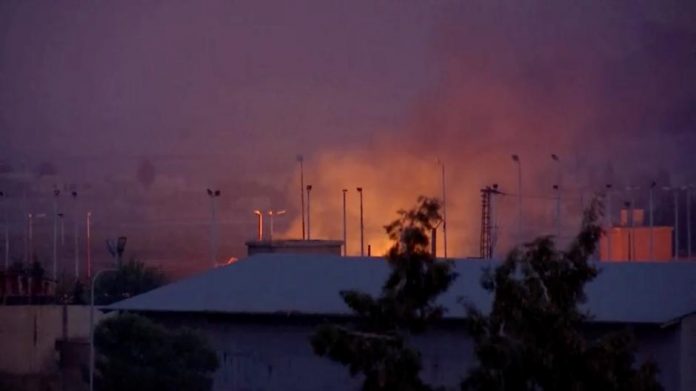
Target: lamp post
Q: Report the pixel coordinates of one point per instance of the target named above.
(652, 221)
(76, 233)
(557, 188)
(30, 253)
(345, 230)
(7, 231)
(516, 159)
(610, 222)
(259, 219)
(56, 193)
(271, 214)
(362, 225)
(444, 207)
(89, 244)
(309, 227)
(688, 220)
(300, 160)
(213, 195)
(91, 326)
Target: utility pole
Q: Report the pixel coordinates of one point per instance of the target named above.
(688, 221)
(213, 195)
(6, 229)
(259, 221)
(610, 222)
(76, 233)
(444, 208)
(345, 231)
(300, 160)
(56, 193)
(516, 159)
(362, 225)
(557, 188)
(309, 230)
(676, 223)
(652, 221)
(89, 244)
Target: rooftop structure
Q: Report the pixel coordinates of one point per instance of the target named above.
(294, 246)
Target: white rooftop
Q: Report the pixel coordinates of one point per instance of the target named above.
(310, 284)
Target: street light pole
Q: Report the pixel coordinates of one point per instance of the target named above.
(610, 222)
(688, 221)
(557, 187)
(91, 326)
(444, 208)
(6, 229)
(516, 159)
(309, 229)
(652, 221)
(300, 160)
(56, 193)
(676, 223)
(345, 230)
(213, 194)
(89, 244)
(271, 214)
(362, 225)
(76, 240)
(259, 224)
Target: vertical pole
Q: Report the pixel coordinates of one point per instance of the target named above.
(516, 159)
(633, 225)
(688, 222)
(76, 233)
(89, 244)
(270, 236)
(444, 213)
(309, 227)
(610, 222)
(6, 228)
(558, 211)
(676, 223)
(300, 159)
(652, 222)
(345, 230)
(55, 235)
(362, 225)
(31, 238)
(213, 232)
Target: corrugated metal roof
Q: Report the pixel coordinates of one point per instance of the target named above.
(309, 284)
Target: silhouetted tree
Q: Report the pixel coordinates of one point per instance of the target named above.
(132, 278)
(532, 339)
(376, 346)
(134, 353)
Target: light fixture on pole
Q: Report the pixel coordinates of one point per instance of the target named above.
(345, 226)
(651, 206)
(88, 239)
(444, 207)
(516, 159)
(688, 220)
(557, 188)
(272, 214)
(6, 228)
(213, 195)
(610, 222)
(56, 193)
(309, 226)
(259, 219)
(362, 225)
(76, 235)
(300, 160)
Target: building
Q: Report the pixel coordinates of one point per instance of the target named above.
(259, 312)
(294, 246)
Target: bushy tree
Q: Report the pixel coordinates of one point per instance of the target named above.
(132, 278)
(376, 345)
(134, 354)
(532, 338)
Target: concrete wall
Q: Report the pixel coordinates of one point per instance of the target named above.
(28, 335)
(275, 355)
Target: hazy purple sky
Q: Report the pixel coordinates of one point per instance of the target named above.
(238, 88)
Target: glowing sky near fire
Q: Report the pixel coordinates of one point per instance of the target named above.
(227, 93)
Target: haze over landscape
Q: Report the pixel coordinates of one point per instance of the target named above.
(140, 107)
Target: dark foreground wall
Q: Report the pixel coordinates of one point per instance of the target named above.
(273, 352)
